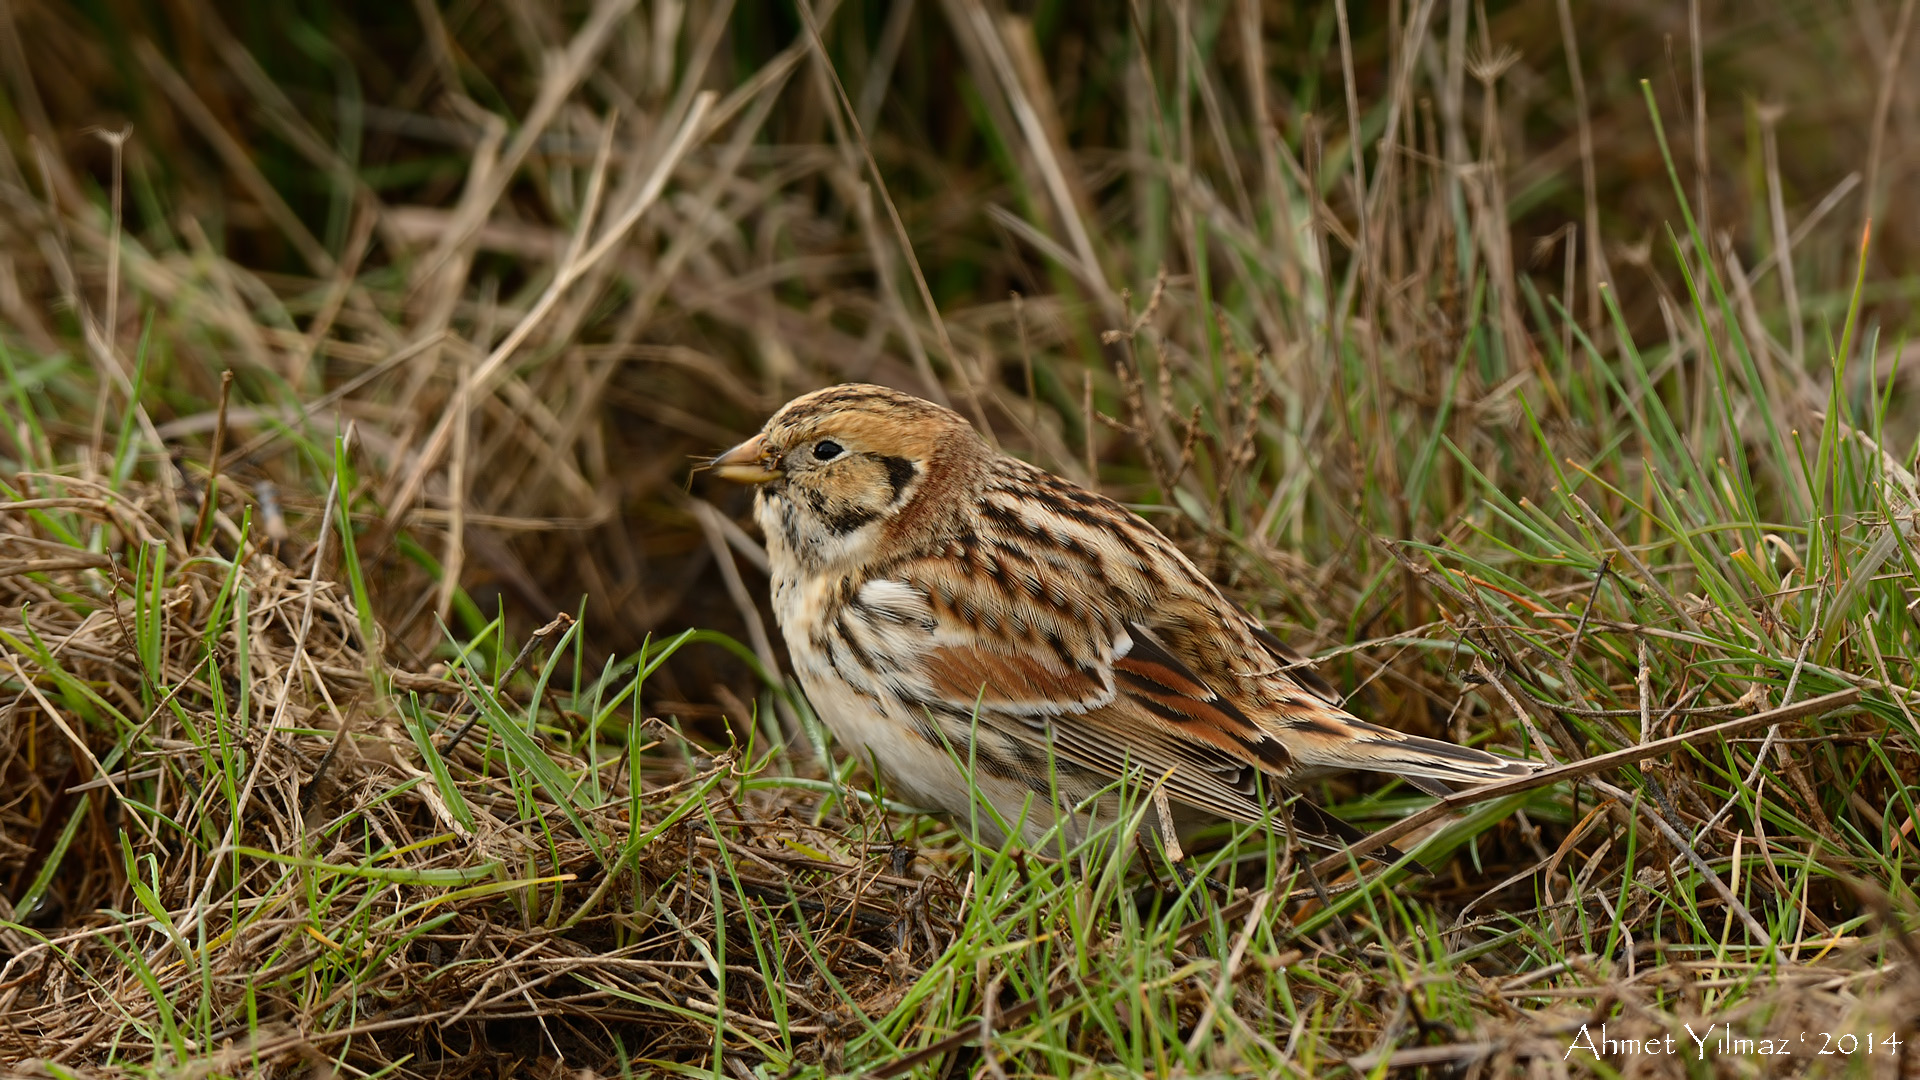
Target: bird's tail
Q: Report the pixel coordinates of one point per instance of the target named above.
(1346, 742)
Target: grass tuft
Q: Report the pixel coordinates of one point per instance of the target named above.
(1550, 391)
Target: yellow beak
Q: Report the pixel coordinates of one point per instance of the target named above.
(748, 463)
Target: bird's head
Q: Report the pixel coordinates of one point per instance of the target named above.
(836, 467)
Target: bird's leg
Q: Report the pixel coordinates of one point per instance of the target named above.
(1154, 839)
(1161, 814)
(1313, 877)
(1145, 851)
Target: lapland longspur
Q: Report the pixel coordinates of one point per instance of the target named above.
(946, 603)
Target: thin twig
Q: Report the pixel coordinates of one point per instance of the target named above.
(1821, 705)
(210, 495)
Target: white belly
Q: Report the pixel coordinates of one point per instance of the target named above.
(916, 771)
(875, 725)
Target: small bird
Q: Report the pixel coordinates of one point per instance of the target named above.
(946, 605)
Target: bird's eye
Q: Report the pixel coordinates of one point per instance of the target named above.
(826, 450)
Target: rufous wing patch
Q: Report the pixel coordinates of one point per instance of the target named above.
(1148, 673)
(1024, 682)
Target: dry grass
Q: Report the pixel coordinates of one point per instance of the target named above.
(387, 334)
(389, 872)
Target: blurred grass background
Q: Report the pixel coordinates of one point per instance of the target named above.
(1528, 363)
(324, 152)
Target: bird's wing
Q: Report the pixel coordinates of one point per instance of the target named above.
(1294, 663)
(1114, 701)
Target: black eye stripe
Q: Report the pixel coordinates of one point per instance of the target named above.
(827, 450)
(900, 473)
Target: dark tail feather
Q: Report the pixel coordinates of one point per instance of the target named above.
(1318, 827)
(1435, 788)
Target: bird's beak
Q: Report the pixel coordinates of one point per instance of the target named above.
(748, 463)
